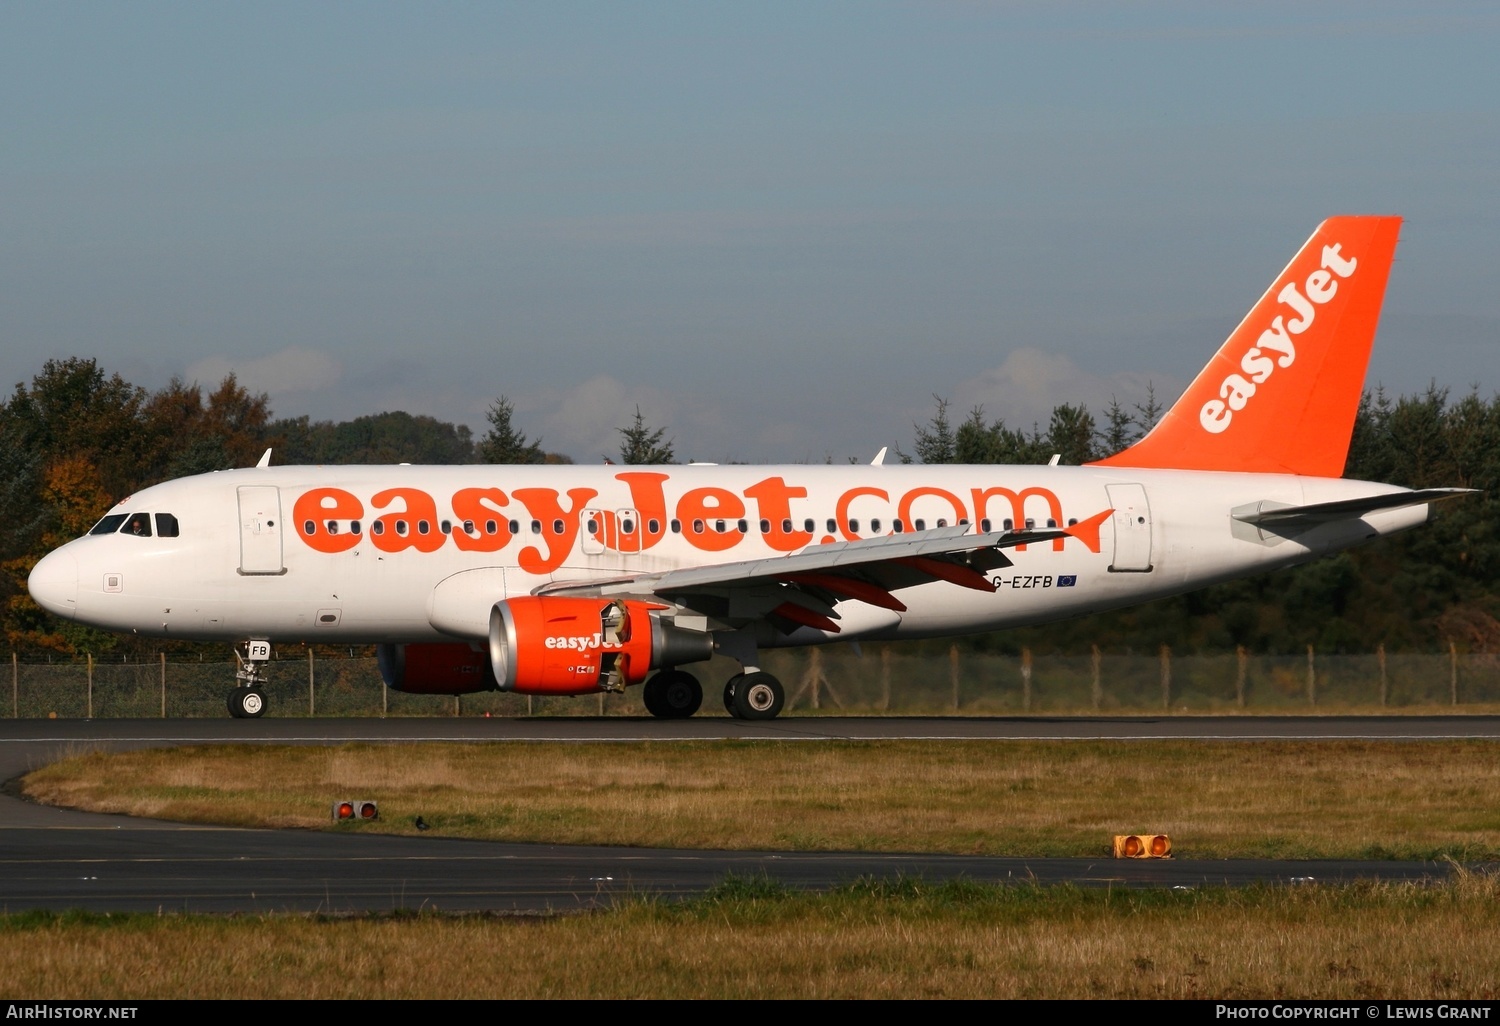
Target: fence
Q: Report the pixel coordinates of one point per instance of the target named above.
(884, 679)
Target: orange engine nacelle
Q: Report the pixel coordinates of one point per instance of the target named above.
(436, 669)
(542, 645)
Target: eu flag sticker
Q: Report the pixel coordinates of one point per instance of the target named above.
(1067, 580)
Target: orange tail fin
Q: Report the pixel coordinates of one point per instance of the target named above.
(1280, 396)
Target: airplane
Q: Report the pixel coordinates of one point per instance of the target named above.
(570, 580)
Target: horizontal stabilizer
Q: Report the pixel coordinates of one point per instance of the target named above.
(1269, 513)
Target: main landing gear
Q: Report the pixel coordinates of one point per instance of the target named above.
(247, 699)
(676, 694)
(755, 695)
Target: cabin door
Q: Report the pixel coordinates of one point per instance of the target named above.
(260, 530)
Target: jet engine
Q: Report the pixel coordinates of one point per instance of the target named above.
(547, 645)
(435, 669)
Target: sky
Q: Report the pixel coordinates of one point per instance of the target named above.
(779, 229)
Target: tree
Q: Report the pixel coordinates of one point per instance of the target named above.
(641, 445)
(934, 442)
(1070, 434)
(504, 443)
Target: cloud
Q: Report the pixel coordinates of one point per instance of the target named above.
(293, 369)
(1024, 389)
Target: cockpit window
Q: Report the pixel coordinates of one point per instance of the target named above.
(139, 525)
(166, 525)
(110, 524)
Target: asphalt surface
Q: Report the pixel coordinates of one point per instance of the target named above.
(60, 859)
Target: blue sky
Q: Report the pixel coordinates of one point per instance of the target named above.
(779, 228)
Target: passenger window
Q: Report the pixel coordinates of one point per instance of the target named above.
(697, 527)
(897, 526)
(401, 527)
(1010, 525)
(676, 526)
(309, 528)
(744, 527)
(809, 525)
(765, 527)
(786, 527)
(536, 527)
(378, 527)
(354, 527)
(422, 527)
(166, 525)
(1030, 523)
(333, 526)
(627, 526)
(515, 527)
(875, 526)
(446, 527)
(139, 525)
(854, 527)
(1051, 522)
(491, 527)
(1072, 521)
(984, 525)
(919, 525)
(942, 522)
(557, 527)
(593, 526)
(653, 527)
(719, 526)
(832, 525)
(110, 524)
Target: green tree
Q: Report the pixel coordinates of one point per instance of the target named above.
(642, 445)
(505, 443)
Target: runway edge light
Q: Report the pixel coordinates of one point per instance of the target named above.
(348, 809)
(1142, 846)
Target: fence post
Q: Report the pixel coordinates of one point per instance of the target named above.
(1166, 677)
(1453, 671)
(1312, 678)
(1026, 679)
(1385, 687)
(1239, 675)
(91, 685)
(163, 657)
(1097, 691)
(953, 673)
(311, 701)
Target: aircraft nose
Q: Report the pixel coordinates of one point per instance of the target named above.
(54, 583)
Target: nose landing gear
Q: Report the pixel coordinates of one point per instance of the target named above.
(247, 699)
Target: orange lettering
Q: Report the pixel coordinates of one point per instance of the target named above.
(910, 498)
(544, 505)
(773, 500)
(315, 508)
(710, 504)
(415, 526)
(841, 511)
(647, 498)
(1018, 507)
(469, 505)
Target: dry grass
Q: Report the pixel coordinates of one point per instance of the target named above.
(892, 940)
(1034, 798)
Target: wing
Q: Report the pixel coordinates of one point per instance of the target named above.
(804, 588)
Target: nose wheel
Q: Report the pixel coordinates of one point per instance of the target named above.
(247, 703)
(247, 699)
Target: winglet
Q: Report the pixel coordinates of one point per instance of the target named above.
(879, 459)
(1281, 394)
(265, 460)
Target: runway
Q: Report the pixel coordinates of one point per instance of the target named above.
(60, 859)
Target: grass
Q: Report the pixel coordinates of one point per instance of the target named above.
(751, 939)
(1321, 799)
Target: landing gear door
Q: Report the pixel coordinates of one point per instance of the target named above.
(1132, 522)
(260, 530)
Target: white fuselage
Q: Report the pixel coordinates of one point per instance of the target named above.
(409, 554)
